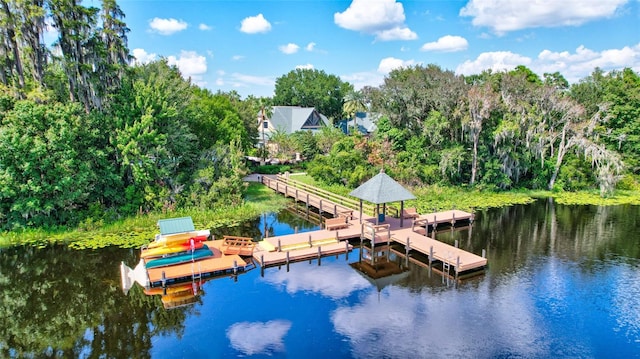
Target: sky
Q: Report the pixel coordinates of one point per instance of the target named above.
(245, 45)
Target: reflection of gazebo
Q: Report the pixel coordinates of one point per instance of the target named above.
(382, 189)
(380, 274)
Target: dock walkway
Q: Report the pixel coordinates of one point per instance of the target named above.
(300, 246)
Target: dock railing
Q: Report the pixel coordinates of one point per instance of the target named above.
(351, 203)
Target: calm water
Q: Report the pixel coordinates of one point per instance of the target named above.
(562, 281)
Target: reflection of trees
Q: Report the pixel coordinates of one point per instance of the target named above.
(512, 235)
(265, 223)
(58, 302)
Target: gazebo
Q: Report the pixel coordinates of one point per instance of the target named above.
(382, 189)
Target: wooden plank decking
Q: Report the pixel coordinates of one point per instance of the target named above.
(218, 263)
(277, 250)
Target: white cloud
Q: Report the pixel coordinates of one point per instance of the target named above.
(447, 43)
(362, 79)
(573, 66)
(391, 63)
(507, 15)
(289, 48)
(383, 18)
(259, 338)
(242, 80)
(191, 65)
(578, 65)
(204, 27)
(167, 26)
(255, 24)
(141, 57)
(237, 57)
(495, 61)
(305, 67)
(397, 33)
(310, 46)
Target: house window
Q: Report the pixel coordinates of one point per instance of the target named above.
(265, 124)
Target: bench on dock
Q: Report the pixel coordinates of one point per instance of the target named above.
(242, 246)
(410, 213)
(347, 214)
(335, 223)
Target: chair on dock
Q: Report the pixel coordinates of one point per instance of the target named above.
(242, 246)
(335, 223)
(410, 213)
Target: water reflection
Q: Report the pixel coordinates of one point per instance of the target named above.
(257, 337)
(562, 281)
(333, 280)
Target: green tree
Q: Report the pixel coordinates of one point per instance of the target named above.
(312, 88)
(50, 164)
(155, 149)
(217, 121)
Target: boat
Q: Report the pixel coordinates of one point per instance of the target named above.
(164, 240)
(171, 249)
(203, 252)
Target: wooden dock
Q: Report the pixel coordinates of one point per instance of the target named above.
(218, 264)
(283, 249)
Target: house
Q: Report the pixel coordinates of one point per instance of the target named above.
(288, 119)
(364, 121)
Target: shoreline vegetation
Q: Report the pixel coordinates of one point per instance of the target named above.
(134, 231)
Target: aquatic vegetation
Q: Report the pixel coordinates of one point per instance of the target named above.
(133, 232)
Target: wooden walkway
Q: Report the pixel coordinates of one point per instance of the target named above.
(300, 246)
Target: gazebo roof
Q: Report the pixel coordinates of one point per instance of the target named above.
(382, 189)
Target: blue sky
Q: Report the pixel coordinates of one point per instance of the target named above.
(245, 45)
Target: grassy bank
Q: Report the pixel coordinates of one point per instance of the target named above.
(436, 198)
(135, 231)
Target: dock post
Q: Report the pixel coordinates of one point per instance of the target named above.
(262, 260)
(279, 246)
(407, 248)
(295, 229)
(277, 187)
(484, 253)
(435, 222)
(164, 279)
(335, 210)
(453, 220)
(287, 261)
(235, 266)
(307, 202)
(319, 254)
(337, 237)
(346, 249)
(430, 256)
(310, 243)
(457, 267)
(320, 209)
(296, 195)
(456, 243)
(286, 190)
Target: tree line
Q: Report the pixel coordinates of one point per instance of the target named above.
(85, 134)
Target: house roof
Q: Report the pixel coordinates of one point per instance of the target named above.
(382, 189)
(294, 118)
(176, 225)
(366, 122)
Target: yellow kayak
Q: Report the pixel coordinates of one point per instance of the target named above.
(178, 238)
(175, 248)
